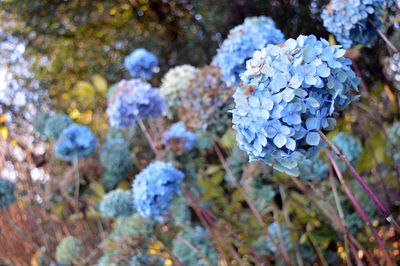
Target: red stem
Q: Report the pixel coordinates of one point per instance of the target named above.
(148, 137)
(251, 250)
(358, 207)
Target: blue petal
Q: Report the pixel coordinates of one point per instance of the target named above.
(313, 138)
(280, 140)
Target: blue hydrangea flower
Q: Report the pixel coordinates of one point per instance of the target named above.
(350, 148)
(350, 22)
(198, 238)
(68, 250)
(76, 141)
(177, 135)
(393, 142)
(287, 94)
(141, 63)
(132, 99)
(117, 203)
(55, 125)
(313, 168)
(115, 158)
(263, 244)
(155, 187)
(6, 193)
(255, 33)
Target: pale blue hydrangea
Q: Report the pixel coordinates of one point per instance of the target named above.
(146, 259)
(133, 99)
(313, 168)
(288, 93)
(255, 33)
(263, 244)
(141, 63)
(75, 142)
(6, 193)
(40, 122)
(350, 147)
(180, 212)
(178, 134)
(117, 203)
(199, 238)
(110, 179)
(350, 22)
(115, 158)
(393, 142)
(68, 250)
(55, 125)
(135, 225)
(155, 187)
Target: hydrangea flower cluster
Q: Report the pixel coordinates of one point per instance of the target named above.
(117, 203)
(350, 21)
(155, 187)
(55, 125)
(116, 161)
(205, 104)
(133, 99)
(174, 82)
(135, 226)
(75, 142)
(40, 122)
(393, 142)
(6, 193)
(180, 212)
(198, 238)
(243, 40)
(313, 168)
(178, 139)
(68, 250)
(141, 63)
(146, 259)
(263, 244)
(350, 147)
(287, 94)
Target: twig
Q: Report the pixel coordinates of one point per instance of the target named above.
(388, 42)
(148, 137)
(198, 252)
(253, 209)
(358, 207)
(222, 236)
(377, 202)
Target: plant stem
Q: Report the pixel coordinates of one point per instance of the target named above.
(240, 240)
(377, 202)
(253, 209)
(77, 183)
(198, 252)
(148, 137)
(332, 216)
(222, 236)
(199, 214)
(358, 207)
(388, 42)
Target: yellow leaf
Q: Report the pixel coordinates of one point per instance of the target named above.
(332, 40)
(99, 83)
(84, 91)
(4, 132)
(3, 118)
(97, 188)
(74, 114)
(14, 143)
